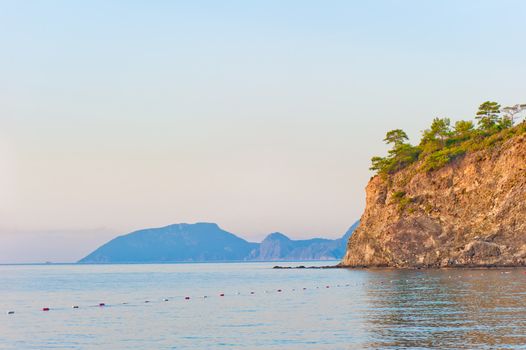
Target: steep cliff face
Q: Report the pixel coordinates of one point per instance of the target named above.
(471, 212)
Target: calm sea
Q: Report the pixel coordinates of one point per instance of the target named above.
(145, 307)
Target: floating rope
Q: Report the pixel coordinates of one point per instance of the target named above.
(222, 294)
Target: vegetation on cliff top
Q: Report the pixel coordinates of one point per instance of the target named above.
(443, 142)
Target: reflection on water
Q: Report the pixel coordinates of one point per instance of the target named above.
(377, 309)
(447, 309)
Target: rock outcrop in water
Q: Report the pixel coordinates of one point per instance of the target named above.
(208, 242)
(471, 212)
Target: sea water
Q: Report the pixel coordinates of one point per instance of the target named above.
(146, 307)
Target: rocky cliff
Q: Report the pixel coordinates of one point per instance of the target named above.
(472, 212)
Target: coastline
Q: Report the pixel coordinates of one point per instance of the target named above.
(458, 267)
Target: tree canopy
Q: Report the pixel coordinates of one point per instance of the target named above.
(488, 115)
(396, 137)
(441, 143)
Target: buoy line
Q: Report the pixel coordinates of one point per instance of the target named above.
(185, 297)
(223, 294)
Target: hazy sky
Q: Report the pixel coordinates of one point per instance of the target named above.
(258, 115)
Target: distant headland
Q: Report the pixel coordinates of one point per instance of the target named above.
(204, 242)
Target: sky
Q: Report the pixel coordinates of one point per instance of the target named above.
(260, 116)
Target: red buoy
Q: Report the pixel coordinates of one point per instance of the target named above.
(186, 298)
(222, 294)
(45, 309)
(102, 304)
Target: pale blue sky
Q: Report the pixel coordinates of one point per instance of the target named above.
(258, 115)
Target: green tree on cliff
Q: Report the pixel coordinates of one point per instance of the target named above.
(463, 128)
(400, 155)
(435, 137)
(396, 137)
(505, 122)
(488, 115)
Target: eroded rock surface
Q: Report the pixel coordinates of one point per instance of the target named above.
(470, 213)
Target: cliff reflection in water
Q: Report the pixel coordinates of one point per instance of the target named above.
(446, 309)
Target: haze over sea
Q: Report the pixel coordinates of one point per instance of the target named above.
(266, 117)
(375, 308)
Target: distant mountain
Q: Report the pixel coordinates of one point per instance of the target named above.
(277, 246)
(180, 242)
(207, 242)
